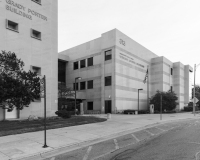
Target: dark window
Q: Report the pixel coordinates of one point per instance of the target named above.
(36, 70)
(12, 25)
(75, 65)
(61, 71)
(76, 86)
(37, 1)
(108, 55)
(171, 71)
(35, 34)
(171, 88)
(82, 85)
(90, 61)
(108, 81)
(90, 106)
(83, 63)
(90, 84)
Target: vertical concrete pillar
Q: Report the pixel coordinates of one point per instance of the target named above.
(102, 81)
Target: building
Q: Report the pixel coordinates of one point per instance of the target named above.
(29, 28)
(112, 69)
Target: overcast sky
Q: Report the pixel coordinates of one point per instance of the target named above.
(169, 28)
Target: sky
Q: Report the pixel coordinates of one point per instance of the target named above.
(169, 28)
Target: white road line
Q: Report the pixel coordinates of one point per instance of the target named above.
(197, 155)
(160, 129)
(135, 137)
(149, 132)
(194, 143)
(116, 144)
(87, 153)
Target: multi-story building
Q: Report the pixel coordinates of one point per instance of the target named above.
(112, 69)
(29, 29)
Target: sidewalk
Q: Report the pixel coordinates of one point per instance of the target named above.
(29, 145)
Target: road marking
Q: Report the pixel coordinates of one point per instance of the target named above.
(160, 129)
(194, 142)
(135, 137)
(116, 144)
(87, 153)
(149, 132)
(197, 155)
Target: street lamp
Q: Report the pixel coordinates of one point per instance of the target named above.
(194, 100)
(138, 98)
(77, 78)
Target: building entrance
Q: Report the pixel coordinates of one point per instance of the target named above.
(108, 106)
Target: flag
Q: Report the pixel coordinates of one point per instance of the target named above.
(145, 78)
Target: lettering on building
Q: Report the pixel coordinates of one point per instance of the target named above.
(22, 10)
(122, 42)
(129, 59)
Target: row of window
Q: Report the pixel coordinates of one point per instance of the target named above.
(108, 56)
(108, 82)
(83, 63)
(83, 85)
(15, 27)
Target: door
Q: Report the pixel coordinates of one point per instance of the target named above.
(108, 106)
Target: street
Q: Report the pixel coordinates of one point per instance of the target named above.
(171, 141)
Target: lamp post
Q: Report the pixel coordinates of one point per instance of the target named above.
(138, 98)
(194, 100)
(77, 78)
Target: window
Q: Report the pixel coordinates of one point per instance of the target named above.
(36, 70)
(108, 55)
(12, 25)
(82, 63)
(171, 71)
(35, 34)
(37, 1)
(76, 86)
(90, 106)
(108, 81)
(82, 85)
(171, 88)
(61, 71)
(90, 61)
(75, 65)
(90, 84)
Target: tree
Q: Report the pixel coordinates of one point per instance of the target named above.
(18, 88)
(168, 100)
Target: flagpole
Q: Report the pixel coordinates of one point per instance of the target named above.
(148, 87)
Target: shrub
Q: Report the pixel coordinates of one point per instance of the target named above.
(63, 113)
(129, 111)
(143, 112)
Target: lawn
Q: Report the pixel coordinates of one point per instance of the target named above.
(24, 126)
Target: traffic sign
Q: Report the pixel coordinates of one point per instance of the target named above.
(196, 100)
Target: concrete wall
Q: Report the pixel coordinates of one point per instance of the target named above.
(41, 53)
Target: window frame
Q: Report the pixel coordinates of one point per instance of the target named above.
(81, 87)
(77, 65)
(33, 68)
(84, 63)
(89, 109)
(7, 26)
(108, 57)
(40, 1)
(106, 81)
(88, 60)
(90, 84)
(32, 35)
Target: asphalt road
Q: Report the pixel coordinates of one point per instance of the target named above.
(171, 141)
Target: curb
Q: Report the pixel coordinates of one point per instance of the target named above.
(68, 148)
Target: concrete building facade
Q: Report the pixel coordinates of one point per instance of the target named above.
(112, 69)
(29, 29)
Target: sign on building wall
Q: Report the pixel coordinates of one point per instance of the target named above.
(23, 11)
(129, 59)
